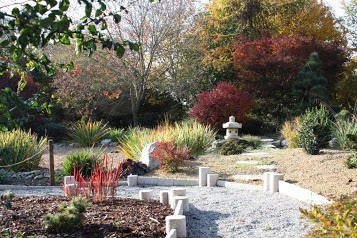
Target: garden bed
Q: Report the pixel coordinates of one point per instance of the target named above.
(112, 218)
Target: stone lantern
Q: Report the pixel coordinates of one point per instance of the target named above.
(232, 128)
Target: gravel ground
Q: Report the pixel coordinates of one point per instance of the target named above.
(222, 212)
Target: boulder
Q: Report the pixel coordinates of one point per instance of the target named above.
(145, 157)
(106, 142)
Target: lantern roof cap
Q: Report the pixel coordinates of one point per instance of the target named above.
(232, 123)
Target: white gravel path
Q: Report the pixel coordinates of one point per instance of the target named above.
(223, 212)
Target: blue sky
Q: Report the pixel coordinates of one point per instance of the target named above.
(336, 6)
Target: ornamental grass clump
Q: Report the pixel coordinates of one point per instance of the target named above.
(88, 133)
(290, 131)
(84, 160)
(21, 149)
(188, 134)
(344, 130)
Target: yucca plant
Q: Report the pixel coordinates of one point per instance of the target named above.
(290, 131)
(17, 146)
(341, 129)
(88, 133)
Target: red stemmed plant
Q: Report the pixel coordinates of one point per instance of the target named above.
(102, 183)
(104, 179)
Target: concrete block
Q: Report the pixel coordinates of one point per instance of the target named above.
(185, 182)
(179, 208)
(68, 180)
(301, 194)
(164, 197)
(212, 180)
(142, 180)
(165, 182)
(172, 234)
(274, 182)
(202, 176)
(146, 194)
(69, 189)
(267, 181)
(176, 192)
(184, 200)
(132, 180)
(177, 222)
(241, 186)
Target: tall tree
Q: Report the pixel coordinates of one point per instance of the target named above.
(347, 86)
(314, 19)
(225, 23)
(350, 8)
(37, 23)
(310, 87)
(158, 29)
(268, 67)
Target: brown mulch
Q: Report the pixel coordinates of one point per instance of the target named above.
(119, 217)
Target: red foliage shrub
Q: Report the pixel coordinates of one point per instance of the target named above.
(267, 68)
(216, 106)
(6, 81)
(170, 155)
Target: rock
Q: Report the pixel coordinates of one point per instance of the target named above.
(113, 144)
(38, 177)
(217, 143)
(36, 172)
(14, 176)
(58, 171)
(145, 157)
(284, 143)
(29, 176)
(46, 175)
(106, 142)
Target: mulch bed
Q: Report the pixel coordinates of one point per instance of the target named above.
(119, 217)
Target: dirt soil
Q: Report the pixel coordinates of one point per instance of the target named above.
(113, 218)
(325, 173)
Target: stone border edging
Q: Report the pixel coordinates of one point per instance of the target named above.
(302, 194)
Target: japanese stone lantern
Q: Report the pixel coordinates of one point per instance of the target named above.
(232, 128)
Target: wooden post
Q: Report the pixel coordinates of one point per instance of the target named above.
(52, 164)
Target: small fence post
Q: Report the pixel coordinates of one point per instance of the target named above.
(52, 164)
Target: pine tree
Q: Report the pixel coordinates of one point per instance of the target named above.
(310, 87)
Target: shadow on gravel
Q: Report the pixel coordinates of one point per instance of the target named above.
(203, 223)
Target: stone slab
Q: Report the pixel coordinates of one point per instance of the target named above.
(165, 182)
(257, 154)
(248, 177)
(253, 162)
(266, 167)
(240, 186)
(301, 194)
(185, 182)
(142, 180)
